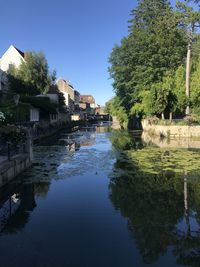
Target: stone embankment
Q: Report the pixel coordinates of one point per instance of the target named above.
(115, 123)
(9, 169)
(12, 166)
(175, 131)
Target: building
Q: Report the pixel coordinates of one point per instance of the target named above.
(53, 94)
(34, 114)
(13, 56)
(100, 110)
(76, 97)
(87, 99)
(68, 91)
(87, 105)
(65, 86)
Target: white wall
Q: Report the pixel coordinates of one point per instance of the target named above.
(34, 114)
(93, 105)
(75, 117)
(66, 96)
(11, 56)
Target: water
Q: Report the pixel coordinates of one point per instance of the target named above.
(103, 199)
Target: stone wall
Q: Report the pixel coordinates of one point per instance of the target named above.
(176, 131)
(10, 169)
(115, 123)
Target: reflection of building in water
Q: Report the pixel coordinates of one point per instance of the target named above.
(73, 146)
(73, 142)
(88, 139)
(16, 203)
(86, 143)
(102, 129)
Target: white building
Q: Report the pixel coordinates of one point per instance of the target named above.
(12, 56)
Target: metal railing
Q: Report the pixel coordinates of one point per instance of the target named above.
(9, 150)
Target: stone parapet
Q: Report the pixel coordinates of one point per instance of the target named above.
(176, 131)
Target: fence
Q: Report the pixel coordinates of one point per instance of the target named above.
(13, 141)
(9, 150)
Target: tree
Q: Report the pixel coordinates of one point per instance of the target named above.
(163, 98)
(190, 19)
(32, 76)
(155, 45)
(179, 89)
(121, 71)
(113, 107)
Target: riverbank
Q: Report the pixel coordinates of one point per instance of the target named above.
(9, 169)
(168, 131)
(13, 166)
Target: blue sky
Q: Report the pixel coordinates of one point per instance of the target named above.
(76, 36)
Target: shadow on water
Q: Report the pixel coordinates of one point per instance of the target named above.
(158, 191)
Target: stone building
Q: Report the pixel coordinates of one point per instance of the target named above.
(87, 99)
(68, 91)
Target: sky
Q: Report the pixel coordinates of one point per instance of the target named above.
(76, 36)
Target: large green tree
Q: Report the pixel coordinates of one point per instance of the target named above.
(32, 76)
(155, 45)
(114, 108)
(35, 71)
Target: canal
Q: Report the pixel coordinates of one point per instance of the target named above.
(103, 198)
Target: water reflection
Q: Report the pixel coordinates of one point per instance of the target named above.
(158, 191)
(172, 142)
(16, 203)
(17, 199)
(63, 211)
(49, 160)
(69, 154)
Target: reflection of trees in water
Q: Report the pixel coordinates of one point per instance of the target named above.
(124, 140)
(25, 204)
(41, 188)
(161, 205)
(152, 207)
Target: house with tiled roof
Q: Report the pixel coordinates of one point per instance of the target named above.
(12, 56)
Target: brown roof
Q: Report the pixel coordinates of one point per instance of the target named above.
(87, 99)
